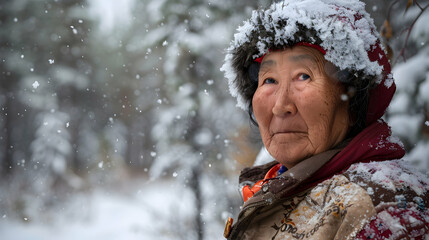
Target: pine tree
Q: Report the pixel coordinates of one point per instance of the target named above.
(44, 71)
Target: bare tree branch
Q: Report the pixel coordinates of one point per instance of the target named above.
(409, 29)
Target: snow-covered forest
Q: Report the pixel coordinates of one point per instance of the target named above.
(116, 122)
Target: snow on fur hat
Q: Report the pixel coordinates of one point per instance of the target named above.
(342, 28)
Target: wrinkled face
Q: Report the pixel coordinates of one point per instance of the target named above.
(297, 106)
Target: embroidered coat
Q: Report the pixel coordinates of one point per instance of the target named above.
(375, 200)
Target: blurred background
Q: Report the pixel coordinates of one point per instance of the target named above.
(116, 122)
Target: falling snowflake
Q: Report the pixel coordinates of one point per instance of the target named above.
(74, 30)
(36, 84)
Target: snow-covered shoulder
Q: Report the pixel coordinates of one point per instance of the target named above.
(392, 175)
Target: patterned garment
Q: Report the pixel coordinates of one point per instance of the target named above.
(377, 200)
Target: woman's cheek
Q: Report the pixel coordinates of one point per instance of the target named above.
(259, 98)
(262, 107)
(256, 104)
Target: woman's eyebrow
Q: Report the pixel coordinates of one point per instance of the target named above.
(267, 64)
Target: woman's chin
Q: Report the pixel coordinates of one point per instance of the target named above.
(289, 158)
(289, 149)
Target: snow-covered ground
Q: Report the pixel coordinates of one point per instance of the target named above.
(144, 211)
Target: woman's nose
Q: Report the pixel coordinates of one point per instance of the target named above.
(284, 104)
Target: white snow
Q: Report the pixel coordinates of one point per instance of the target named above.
(424, 90)
(155, 212)
(408, 74)
(204, 136)
(392, 175)
(400, 103)
(406, 126)
(35, 84)
(51, 145)
(113, 15)
(419, 155)
(389, 81)
(392, 222)
(68, 76)
(421, 30)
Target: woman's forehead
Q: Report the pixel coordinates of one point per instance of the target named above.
(290, 56)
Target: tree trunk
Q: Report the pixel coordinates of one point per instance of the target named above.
(195, 186)
(7, 163)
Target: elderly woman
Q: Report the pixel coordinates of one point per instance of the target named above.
(314, 78)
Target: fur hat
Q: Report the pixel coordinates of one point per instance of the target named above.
(341, 28)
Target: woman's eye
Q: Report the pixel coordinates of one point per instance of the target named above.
(269, 81)
(303, 77)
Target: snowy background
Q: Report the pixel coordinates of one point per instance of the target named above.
(116, 123)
